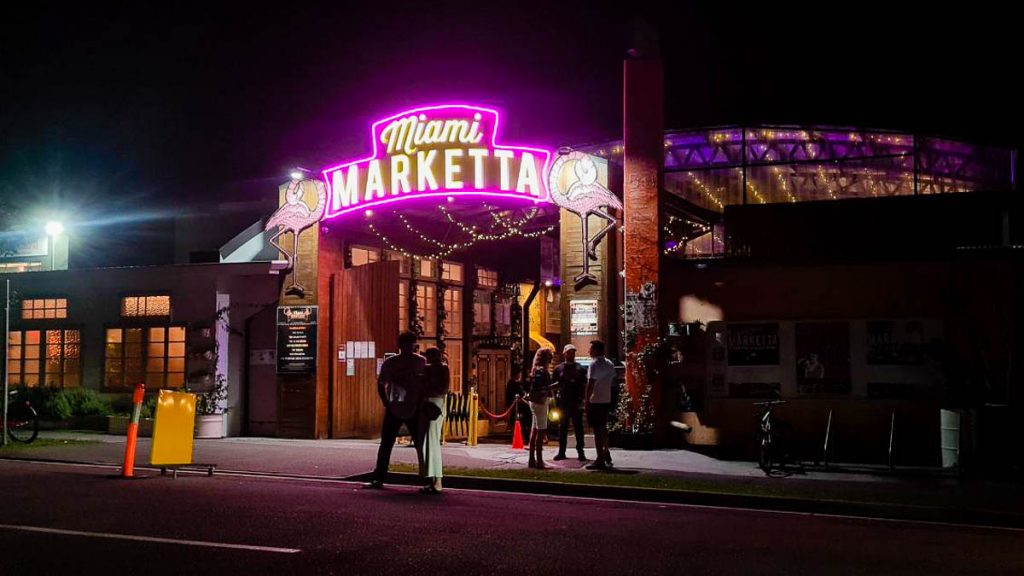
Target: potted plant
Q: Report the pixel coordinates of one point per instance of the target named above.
(210, 409)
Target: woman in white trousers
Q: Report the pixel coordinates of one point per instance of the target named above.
(438, 379)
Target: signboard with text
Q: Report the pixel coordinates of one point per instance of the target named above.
(296, 339)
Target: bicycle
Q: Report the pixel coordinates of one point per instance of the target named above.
(774, 438)
(22, 420)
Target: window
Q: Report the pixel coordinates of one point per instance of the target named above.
(403, 262)
(426, 307)
(487, 278)
(155, 356)
(451, 272)
(19, 266)
(453, 311)
(453, 350)
(134, 306)
(503, 317)
(425, 268)
(362, 256)
(47, 308)
(403, 305)
(60, 367)
(482, 313)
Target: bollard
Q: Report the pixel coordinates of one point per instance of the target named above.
(471, 434)
(128, 470)
(828, 434)
(892, 436)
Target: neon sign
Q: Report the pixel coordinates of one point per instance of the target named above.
(446, 150)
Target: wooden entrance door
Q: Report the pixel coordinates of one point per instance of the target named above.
(492, 374)
(365, 307)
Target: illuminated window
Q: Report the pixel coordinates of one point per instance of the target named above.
(60, 367)
(154, 356)
(403, 262)
(453, 313)
(44, 308)
(362, 256)
(403, 305)
(426, 307)
(481, 313)
(425, 268)
(451, 272)
(151, 306)
(503, 317)
(486, 278)
(20, 266)
(453, 351)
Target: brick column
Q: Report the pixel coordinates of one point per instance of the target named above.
(643, 168)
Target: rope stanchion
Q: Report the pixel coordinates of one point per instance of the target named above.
(517, 432)
(474, 415)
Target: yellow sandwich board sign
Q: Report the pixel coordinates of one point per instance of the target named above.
(173, 429)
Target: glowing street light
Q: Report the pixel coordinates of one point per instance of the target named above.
(54, 228)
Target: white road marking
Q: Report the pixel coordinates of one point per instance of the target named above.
(109, 536)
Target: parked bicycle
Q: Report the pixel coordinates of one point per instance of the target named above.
(22, 420)
(774, 438)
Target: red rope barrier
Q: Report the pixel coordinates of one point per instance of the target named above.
(494, 416)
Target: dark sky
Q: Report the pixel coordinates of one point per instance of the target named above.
(123, 111)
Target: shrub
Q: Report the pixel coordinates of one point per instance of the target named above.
(148, 409)
(71, 402)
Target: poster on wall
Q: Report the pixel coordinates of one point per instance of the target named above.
(296, 339)
(822, 357)
(753, 344)
(896, 342)
(583, 317)
(903, 358)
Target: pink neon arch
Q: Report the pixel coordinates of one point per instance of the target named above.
(545, 196)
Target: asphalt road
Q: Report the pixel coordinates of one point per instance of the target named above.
(60, 519)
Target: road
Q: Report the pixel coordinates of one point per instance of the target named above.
(62, 519)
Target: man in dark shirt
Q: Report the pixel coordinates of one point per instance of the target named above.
(401, 386)
(571, 381)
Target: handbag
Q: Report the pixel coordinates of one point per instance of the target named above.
(431, 411)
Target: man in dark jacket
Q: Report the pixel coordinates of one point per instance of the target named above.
(401, 386)
(571, 379)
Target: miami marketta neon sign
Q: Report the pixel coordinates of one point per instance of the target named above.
(444, 150)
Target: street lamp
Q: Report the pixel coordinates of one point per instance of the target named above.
(53, 229)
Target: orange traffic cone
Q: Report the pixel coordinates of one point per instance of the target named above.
(517, 437)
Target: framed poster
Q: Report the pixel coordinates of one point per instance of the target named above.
(583, 317)
(822, 357)
(296, 339)
(752, 344)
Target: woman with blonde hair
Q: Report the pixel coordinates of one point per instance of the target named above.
(539, 392)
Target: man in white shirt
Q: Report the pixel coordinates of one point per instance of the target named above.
(600, 378)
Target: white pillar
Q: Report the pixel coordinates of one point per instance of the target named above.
(223, 337)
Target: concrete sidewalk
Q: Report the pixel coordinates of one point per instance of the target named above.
(705, 480)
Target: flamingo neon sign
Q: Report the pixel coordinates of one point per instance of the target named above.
(444, 150)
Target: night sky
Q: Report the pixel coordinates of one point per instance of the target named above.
(121, 115)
